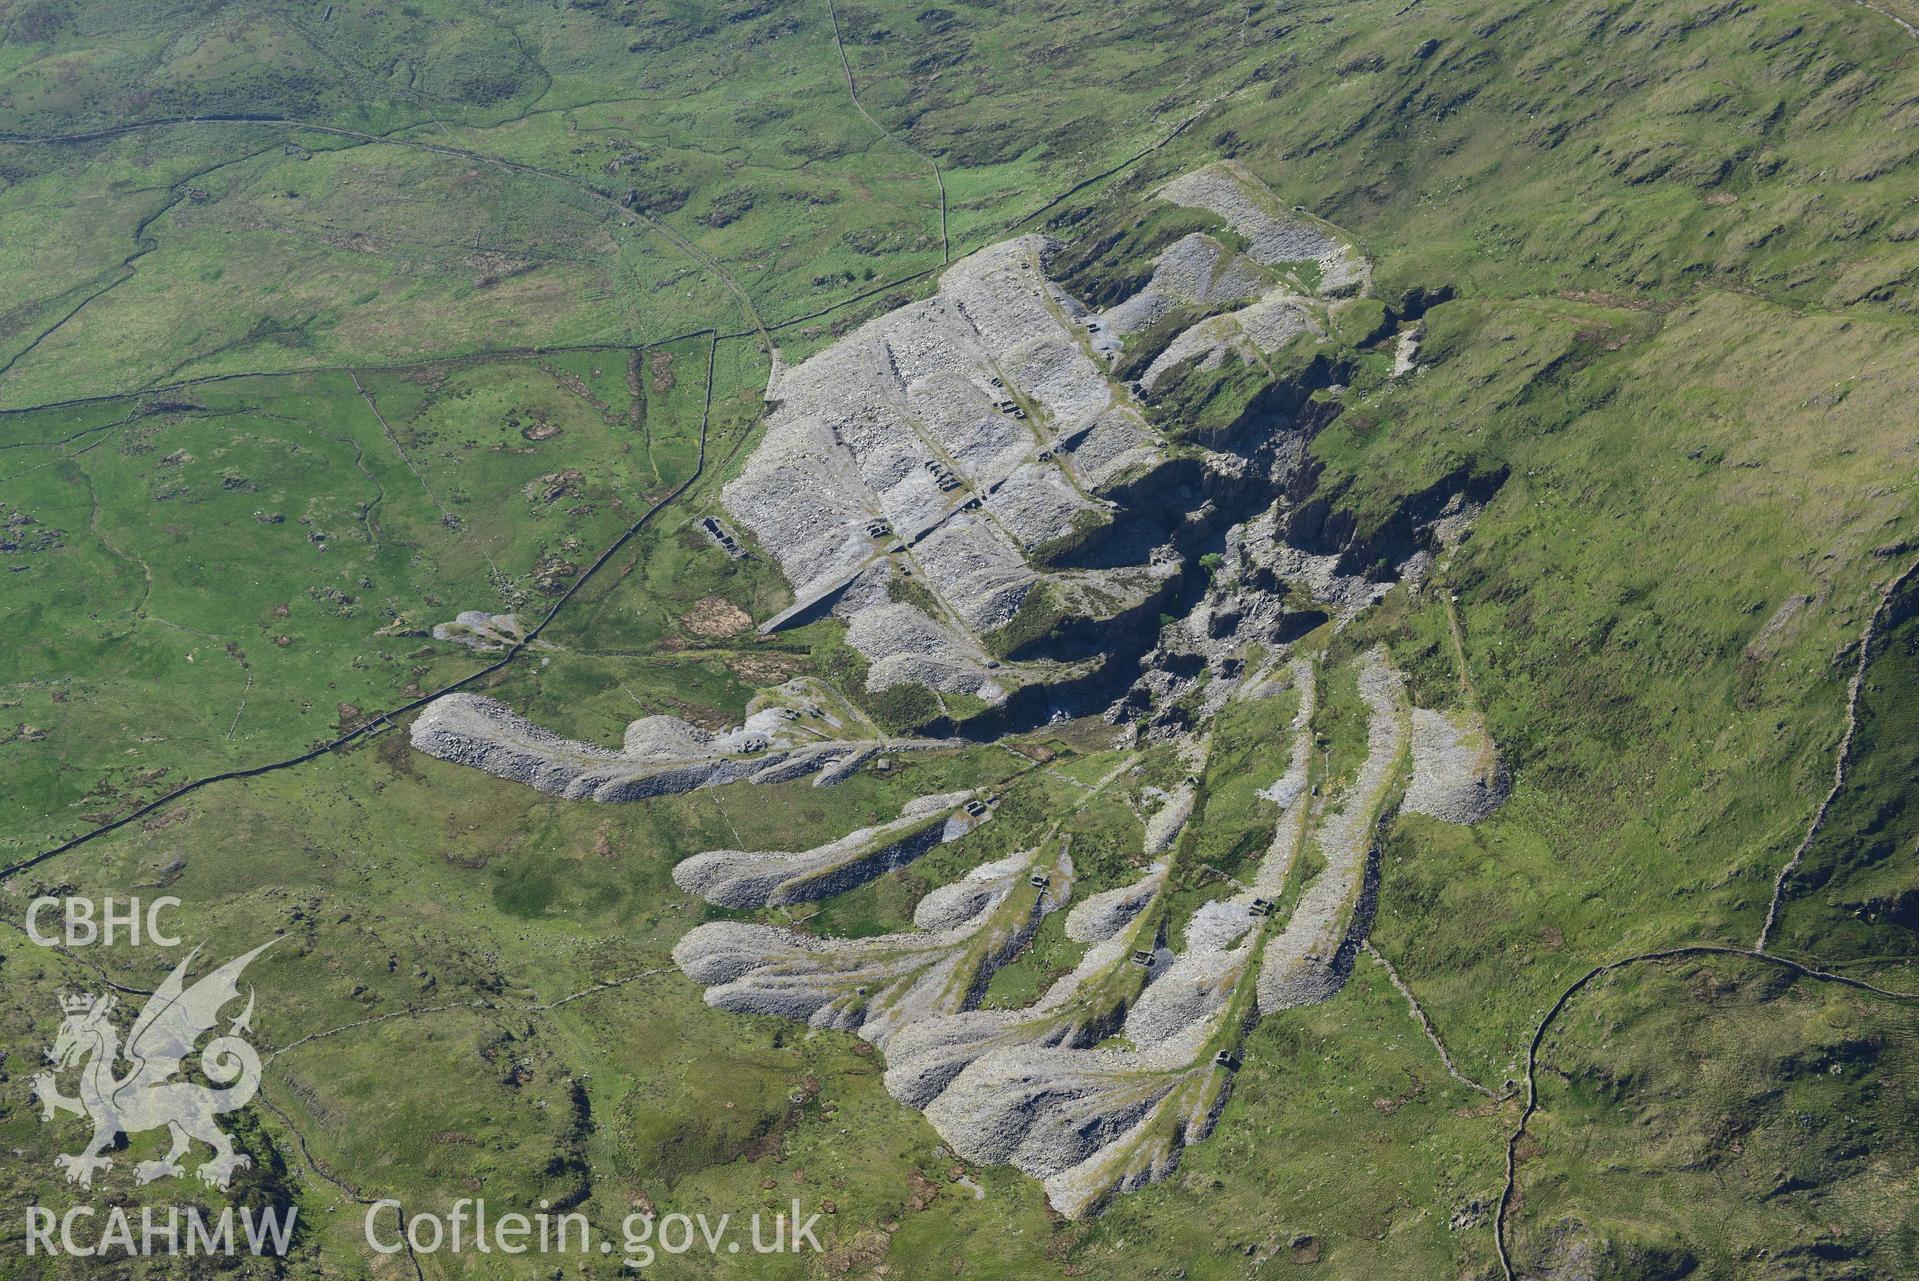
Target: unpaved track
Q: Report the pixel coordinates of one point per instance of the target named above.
(127, 268)
(1757, 952)
(1459, 645)
(393, 439)
(1104, 174)
(317, 1166)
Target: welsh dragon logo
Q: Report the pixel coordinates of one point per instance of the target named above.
(148, 1096)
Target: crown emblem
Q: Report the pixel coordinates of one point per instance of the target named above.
(76, 1002)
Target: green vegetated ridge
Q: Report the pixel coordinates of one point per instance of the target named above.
(1679, 352)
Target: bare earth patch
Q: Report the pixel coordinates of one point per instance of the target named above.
(713, 617)
(766, 669)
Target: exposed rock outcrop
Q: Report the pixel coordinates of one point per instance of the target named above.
(477, 629)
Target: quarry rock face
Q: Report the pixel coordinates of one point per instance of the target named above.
(477, 629)
(946, 442)
(918, 479)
